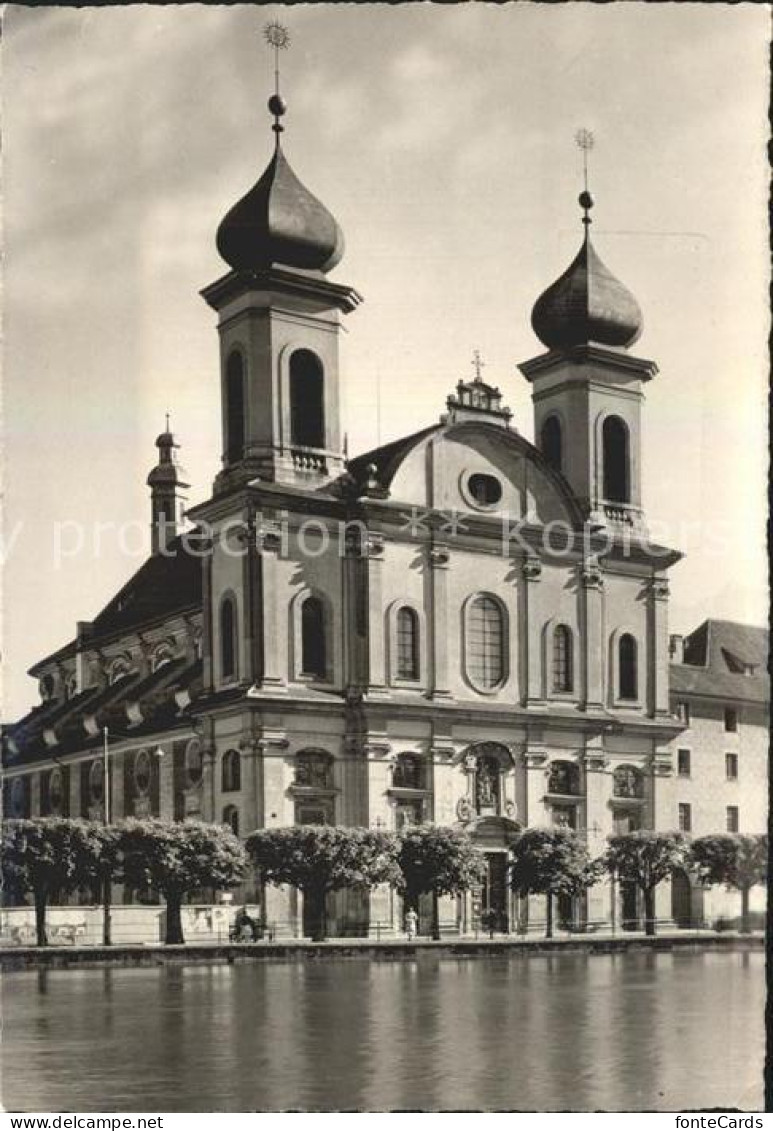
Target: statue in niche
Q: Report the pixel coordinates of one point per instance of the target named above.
(487, 784)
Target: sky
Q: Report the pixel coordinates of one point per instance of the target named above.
(442, 139)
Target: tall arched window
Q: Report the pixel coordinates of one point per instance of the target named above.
(617, 486)
(228, 639)
(307, 400)
(313, 657)
(563, 676)
(231, 818)
(407, 644)
(234, 407)
(485, 643)
(552, 442)
(628, 681)
(231, 781)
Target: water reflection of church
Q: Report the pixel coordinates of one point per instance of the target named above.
(460, 626)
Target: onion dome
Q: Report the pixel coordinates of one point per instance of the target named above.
(279, 222)
(587, 304)
(167, 470)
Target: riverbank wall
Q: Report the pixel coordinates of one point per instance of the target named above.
(75, 957)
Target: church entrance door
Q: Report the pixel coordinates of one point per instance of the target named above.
(495, 890)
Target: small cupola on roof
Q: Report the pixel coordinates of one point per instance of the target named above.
(279, 222)
(587, 305)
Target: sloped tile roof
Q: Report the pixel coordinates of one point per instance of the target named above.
(715, 655)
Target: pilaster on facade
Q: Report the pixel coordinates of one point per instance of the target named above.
(438, 559)
(372, 545)
(269, 540)
(536, 761)
(657, 650)
(529, 640)
(591, 579)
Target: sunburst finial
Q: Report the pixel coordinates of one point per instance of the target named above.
(278, 37)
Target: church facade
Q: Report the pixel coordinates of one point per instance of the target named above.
(459, 627)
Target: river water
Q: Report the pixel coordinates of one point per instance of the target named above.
(633, 1031)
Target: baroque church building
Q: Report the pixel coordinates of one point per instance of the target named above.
(459, 627)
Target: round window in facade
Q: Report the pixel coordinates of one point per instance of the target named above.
(484, 490)
(142, 773)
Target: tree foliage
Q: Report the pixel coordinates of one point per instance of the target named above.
(734, 859)
(176, 858)
(318, 859)
(49, 856)
(436, 859)
(646, 858)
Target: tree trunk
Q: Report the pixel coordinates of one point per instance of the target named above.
(549, 915)
(315, 900)
(649, 911)
(40, 917)
(174, 921)
(435, 917)
(745, 917)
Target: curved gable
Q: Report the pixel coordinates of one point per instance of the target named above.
(434, 469)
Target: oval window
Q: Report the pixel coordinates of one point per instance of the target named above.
(142, 773)
(485, 490)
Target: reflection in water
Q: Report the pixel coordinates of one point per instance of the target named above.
(571, 1031)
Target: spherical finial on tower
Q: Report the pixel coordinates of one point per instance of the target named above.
(277, 105)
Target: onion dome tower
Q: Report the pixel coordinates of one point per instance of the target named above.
(587, 389)
(279, 326)
(167, 482)
(587, 303)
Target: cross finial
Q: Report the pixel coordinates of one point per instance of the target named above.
(166, 428)
(278, 37)
(477, 364)
(585, 141)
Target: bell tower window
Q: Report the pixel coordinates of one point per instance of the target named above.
(313, 650)
(307, 400)
(228, 639)
(627, 672)
(234, 410)
(552, 443)
(617, 479)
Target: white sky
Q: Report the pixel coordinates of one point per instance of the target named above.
(441, 137)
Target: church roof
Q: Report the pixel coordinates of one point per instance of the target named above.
(164, 585)
(586, 304)
(725, 660)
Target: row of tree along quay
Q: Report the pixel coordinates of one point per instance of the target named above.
(49, 858)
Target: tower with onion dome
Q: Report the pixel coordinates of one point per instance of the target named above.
(279, 326)
(588, 389)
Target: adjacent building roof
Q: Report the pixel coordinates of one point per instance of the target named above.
(725, 660)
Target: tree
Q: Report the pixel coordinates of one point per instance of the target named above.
(176, 858)
(645, 858)
(442, 861)
(50, 856)
(551, 862)
(318, 859)
(736, 860)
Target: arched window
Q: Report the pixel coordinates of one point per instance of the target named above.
(313, 651)
(485, 643)
(47, 688)
(231, 772)
(228, 639)
(617, 488)
(97, 781)
(408, 772)
(234, 408)
(231, 818)
(307, 400)
(627, 782)
(551, 442)
(563, 676)
(314, 769)
(564, 778)
(194, 762)
(407, 643)
(628, 681)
